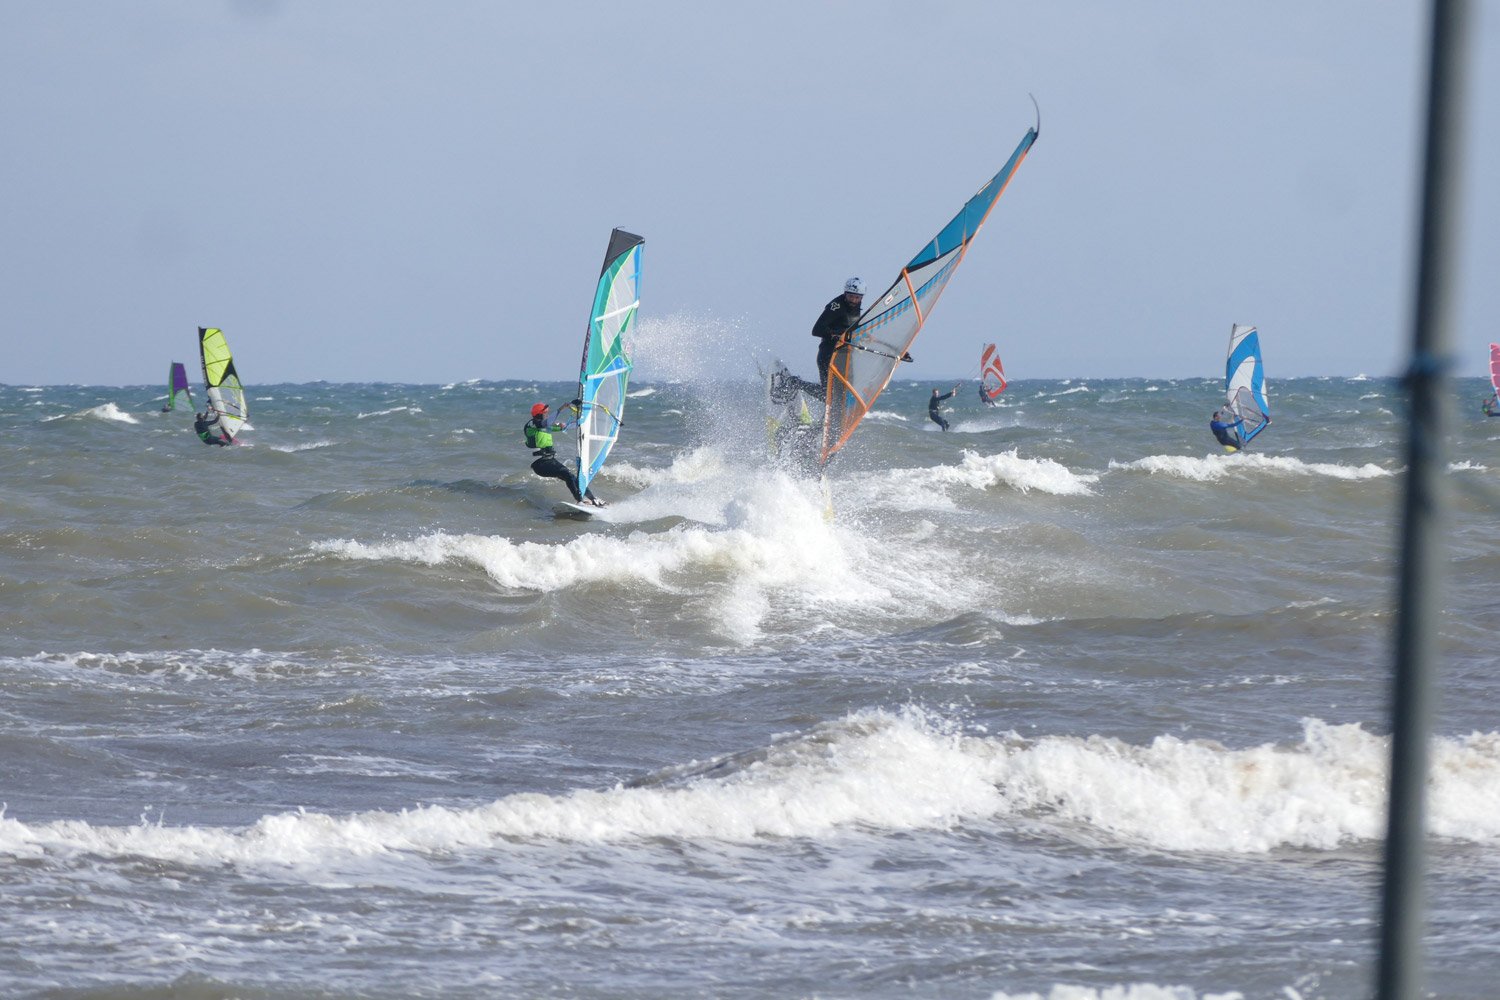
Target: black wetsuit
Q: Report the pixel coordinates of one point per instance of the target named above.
(934, 403)
(838, 317)
(539, 437)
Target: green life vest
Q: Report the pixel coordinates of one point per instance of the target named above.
(538, 438)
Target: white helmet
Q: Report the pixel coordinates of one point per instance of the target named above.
(855, 285)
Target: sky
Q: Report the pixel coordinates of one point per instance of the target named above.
(372, 190)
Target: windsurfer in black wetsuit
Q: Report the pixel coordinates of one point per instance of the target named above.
(834, 324)
(209, 430)
(838, 317)
(934, 406)
(539, 438)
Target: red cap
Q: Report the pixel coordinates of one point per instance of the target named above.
(538, 409)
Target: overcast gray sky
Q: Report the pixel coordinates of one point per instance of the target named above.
(371, 190)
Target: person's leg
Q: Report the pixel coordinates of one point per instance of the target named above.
(551, 468)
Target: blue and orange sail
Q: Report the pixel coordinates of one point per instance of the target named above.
(862, 368)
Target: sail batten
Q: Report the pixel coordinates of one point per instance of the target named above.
(605, 370)
(861, 369)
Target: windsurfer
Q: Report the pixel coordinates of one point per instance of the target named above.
(838, 317)
(1492, 405)
(539, 438)
(934, 406)
(1225, 426)
(209, 430)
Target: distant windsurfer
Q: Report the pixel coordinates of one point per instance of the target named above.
(935, 406)
(538, 433)
(209, 430)
(1492, 405)
(1225, 425)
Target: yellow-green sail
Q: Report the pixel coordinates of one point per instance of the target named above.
(226, 396)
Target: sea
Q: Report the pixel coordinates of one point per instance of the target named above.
(1064, 703)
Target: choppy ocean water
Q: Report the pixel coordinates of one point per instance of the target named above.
(1059, 703)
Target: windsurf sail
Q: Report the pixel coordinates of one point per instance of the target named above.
(991, 375)
(862, 368)
(1492, 404)
(1245, 382)
(177, 382)
(226, 396)
(606, 362)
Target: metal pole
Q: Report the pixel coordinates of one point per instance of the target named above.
(1423, 545)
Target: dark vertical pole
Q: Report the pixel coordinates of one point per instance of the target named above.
(1423, 545)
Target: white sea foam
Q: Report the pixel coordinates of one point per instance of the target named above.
(1128, 991)
(996, 419)
(1212, 468)
(768, 542)
(186, 664)
(887, 415)
(303, 447)
(696, 465)
(915, 489)
(893, 772)
(104, 411)
(394, 409)
(641, 393)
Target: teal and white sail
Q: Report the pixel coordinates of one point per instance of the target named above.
(1245, 382)
(226, 396)
(606, 362)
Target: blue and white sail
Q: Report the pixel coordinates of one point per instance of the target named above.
(1245, 382)
(606, 362)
